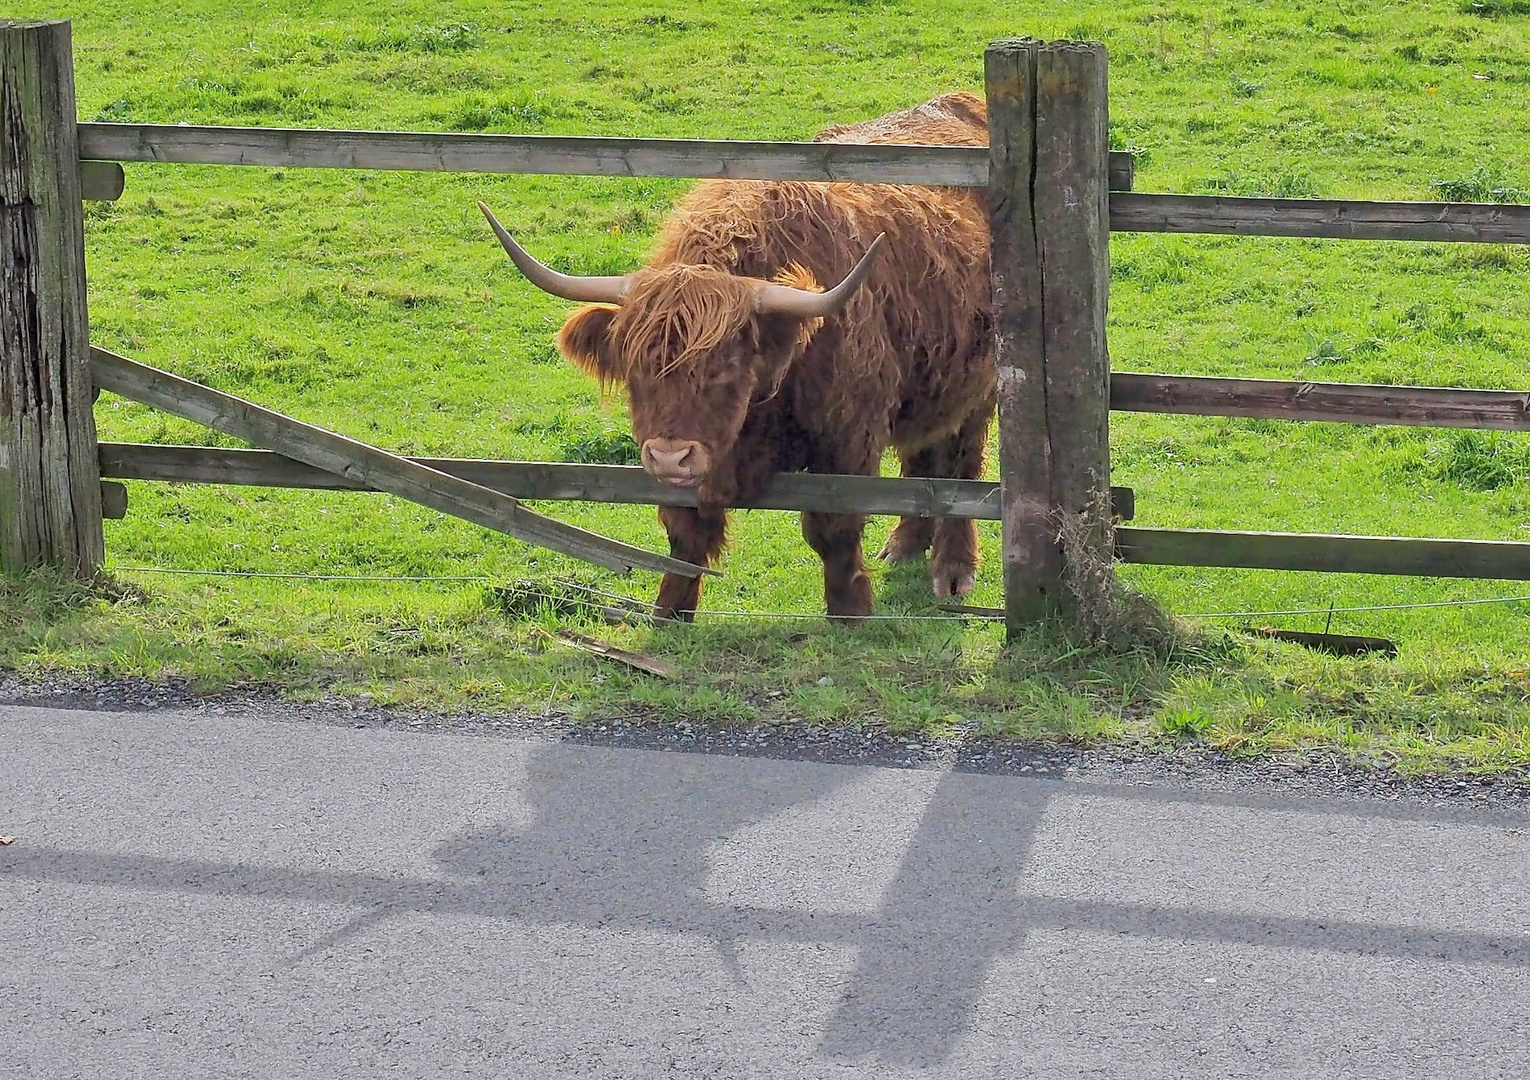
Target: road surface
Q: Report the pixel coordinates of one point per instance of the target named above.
(192, 895)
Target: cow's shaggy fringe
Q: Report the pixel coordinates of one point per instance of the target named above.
(701, 309)
(1106, 611)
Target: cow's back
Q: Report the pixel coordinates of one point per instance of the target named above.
(956, 119)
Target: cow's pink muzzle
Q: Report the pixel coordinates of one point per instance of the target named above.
(681, 462)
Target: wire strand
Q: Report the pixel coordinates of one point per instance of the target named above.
(285, 576)
(626, 600)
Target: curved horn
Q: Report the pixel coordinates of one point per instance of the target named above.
(597, 290)
(775, 299)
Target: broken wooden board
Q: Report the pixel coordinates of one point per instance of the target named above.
(101, 181)
(1332, 644)
(368, 465)
(648, 664)
(972, 609)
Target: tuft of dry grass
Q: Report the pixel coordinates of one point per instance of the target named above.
(1106, 611)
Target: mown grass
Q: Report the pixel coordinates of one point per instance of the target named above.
(376, 304)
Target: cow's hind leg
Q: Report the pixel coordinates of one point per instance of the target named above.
(953, 570)
(913, 535)
(846, 585)
(697, 536)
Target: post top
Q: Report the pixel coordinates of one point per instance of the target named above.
(1029, 43)
(30, 24)
(1007, 44)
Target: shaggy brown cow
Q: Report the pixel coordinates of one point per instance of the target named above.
(738, 365)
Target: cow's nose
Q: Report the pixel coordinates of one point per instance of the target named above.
(681, 462)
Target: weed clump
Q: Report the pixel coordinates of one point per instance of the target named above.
(1494, 9)
(1481, 185)
(1481, 461)
(42, 597)
(1106, 611)
(603, 448)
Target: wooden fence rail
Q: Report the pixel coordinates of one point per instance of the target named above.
(935, 166)
(1335, 219)
(1348, 403)
(977, 499)
(1407, 555)
(911, 496)
(572, 155)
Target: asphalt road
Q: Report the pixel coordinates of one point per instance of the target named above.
(199, 896)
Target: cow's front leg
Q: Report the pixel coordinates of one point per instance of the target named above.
(953, 570)
(697, 536)
(913, 535)
(846, 585)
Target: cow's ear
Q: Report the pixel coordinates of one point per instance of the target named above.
(792, 333)
(585, 341)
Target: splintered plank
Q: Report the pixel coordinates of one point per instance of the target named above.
(650, 664)
(368, 465)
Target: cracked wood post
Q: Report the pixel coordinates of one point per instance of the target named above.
(1049, 215)
(50, 484)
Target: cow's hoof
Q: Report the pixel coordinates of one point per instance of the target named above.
(848, 618)
(952, 582)
(851, 604)
(905, 544)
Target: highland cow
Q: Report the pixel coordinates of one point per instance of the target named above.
(739, 363)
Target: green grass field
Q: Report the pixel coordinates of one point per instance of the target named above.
(379, 305)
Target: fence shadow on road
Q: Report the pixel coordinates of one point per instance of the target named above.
(631, 841)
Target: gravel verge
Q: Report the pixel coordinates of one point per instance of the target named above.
(1311, 774)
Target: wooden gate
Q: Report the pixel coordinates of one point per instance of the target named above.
(1056, 193)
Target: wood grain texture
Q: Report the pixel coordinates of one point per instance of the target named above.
(101, 181)
(368, 465)
(1500, 559)
(1351, 403)
(935, 166)
(114, 500)
(1481, 223)
(1072, 215)
(50, 490)
(1031, 556)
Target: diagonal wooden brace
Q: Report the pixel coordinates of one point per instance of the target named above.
(367, 465)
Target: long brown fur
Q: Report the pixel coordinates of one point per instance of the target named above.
(906, 363)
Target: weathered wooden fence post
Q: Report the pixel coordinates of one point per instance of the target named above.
(50, 484)
(1050, 215)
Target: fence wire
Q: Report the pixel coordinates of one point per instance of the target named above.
(631, 605)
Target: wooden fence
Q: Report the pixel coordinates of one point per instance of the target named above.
(1055, 191)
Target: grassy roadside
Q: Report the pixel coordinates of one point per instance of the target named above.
(375, 304)
(455, 646)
